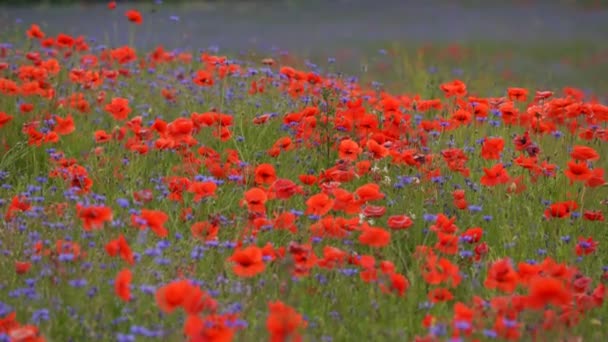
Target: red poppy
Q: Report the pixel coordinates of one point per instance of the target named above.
(369, 192)
(454, 88)
(203, 78)
(585, 246)
(4, 119)
(349, 150)
(118, 108)
(120, 247)
(398, 284)
(491, 148)
(446, 243)
(284, 189)
(593, 215)
(202, 190)
(319, 204)
(284, 322)
(444, 224)
(94, 217)
(134, 16)
(547, 290)
(596, 178)
(152, 219)
(204, 231)
(517, 94)
(214, 327)
(398, 222)
(495, 175)
(578, 171)
(460, 201)
(374, 236)
(472, 235)
(440, 295)
(584, 153)
(122, 285)
(22, 267)
(64, 126)
(35, 32)
(247, 262)
(502, 276)
(171, 296)
(265, 174)
(560, 209)
(256, 199)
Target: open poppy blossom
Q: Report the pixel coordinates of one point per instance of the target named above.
(134, 16)
(247, 262)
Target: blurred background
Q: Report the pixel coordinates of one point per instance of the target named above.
(564, 41)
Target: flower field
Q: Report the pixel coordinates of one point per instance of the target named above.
(156, 194)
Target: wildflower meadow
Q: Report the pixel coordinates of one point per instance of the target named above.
(404, 194)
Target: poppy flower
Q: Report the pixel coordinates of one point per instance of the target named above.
(202, 190)
(203, 78)
(374, 237)
(171, 296)
(284, 322)
(22, 267)
(247, 262)
(373, 211)
(398, 284)
(4, 119)
(152, 219)
(376, 150)
(495, 175)
(577, 171)
(472, 235)
(460, 201)
(328, 226)
(18, 203)
(122, 284)
(332, 257)
(560, 209)
(265, 174)
(446, 243)
(35, 32)
(596, 178)
(593, 215)
(94, 217)
(64, 126)
(369, 192)
(547, 290)
(502, 276)
(585, 246)
(118, 108)
(440, 295)
(284, 189)
(444, 224)
(517, 94)
(204, 231)
(319, 204)
(398, 222)
(349, 150)
(213, 327)
(584, 153)
(491, 148)
(543, 95)
(454, 88)
(256, 199)
(134, 16)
